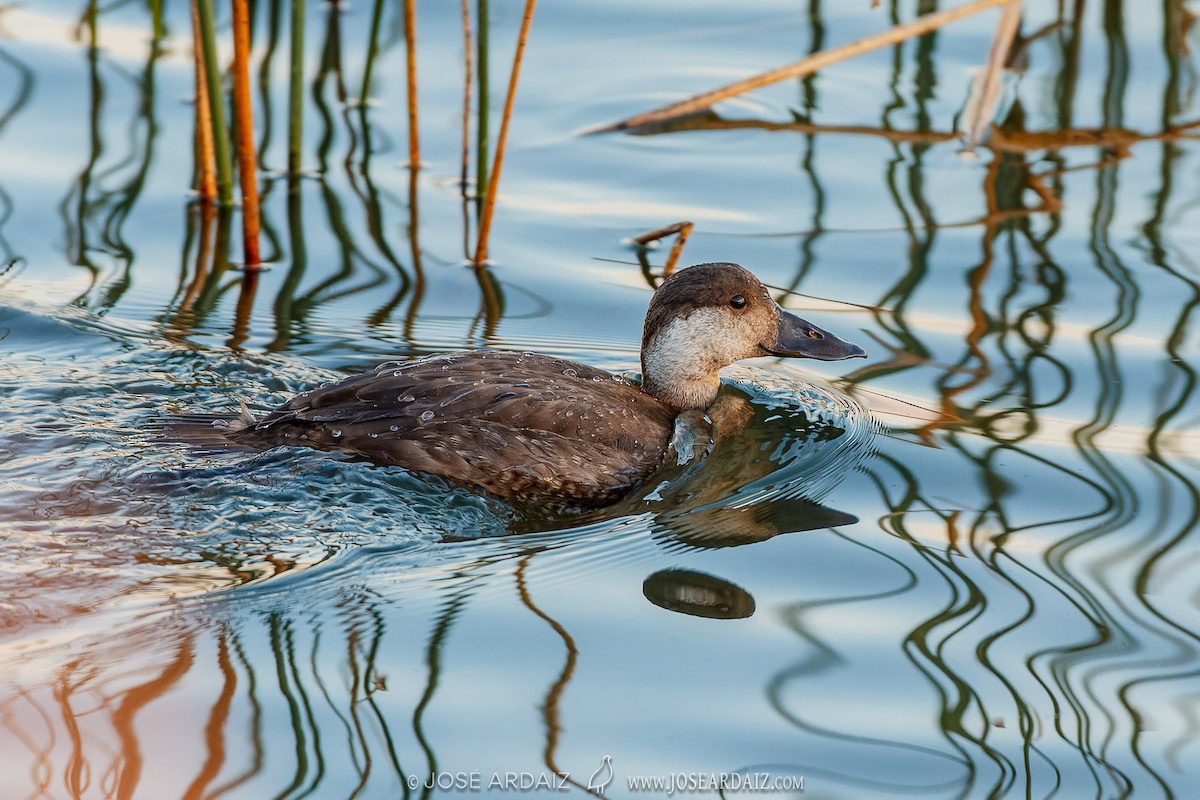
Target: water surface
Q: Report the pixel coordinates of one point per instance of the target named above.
(964, 568)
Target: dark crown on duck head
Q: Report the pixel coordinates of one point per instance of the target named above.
(708, 316)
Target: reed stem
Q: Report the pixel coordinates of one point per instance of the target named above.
(92, 14)
(216, 103)
(482, 146)
(465, 165)
(410, 40)
(244, 116)
(156, 19)
(372, 52)
(489, 203)
(296, 89)
(206, 175)
(468, 70)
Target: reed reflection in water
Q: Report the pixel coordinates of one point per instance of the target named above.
(1015, 612)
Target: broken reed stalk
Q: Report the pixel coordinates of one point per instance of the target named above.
(206, 175)
(804, 66)
(410, 67)
(677, 249)
(244, 116)
(684, 229)
(983, 111)
(216, 104)
(489, 203)
(296, 91)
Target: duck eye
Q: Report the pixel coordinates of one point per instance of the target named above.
(815, 334)
(737, 301)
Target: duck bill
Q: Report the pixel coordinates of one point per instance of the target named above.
(799, 338)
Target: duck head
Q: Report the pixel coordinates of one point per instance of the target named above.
(708, 316)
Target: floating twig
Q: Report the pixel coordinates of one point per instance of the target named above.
(711, 121)
(645, 239)
(804, 66)
(1001, 139)
(683, 229)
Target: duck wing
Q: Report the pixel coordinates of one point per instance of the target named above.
(522, 426)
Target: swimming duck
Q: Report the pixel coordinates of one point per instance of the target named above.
(534, 428)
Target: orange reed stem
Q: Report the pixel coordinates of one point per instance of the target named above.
(489, 203)
(244, 117)
(206, 169)
(410, 69)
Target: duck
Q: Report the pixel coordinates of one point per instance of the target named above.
(531, 428)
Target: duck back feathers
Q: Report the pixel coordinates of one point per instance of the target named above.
(522, 426)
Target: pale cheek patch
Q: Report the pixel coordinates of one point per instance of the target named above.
(689, 346)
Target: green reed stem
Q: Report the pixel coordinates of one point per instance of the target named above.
(156, 19)
(296, 88)
(92, 17)
(216, 103)
(372, 52)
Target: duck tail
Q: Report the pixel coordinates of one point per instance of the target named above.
(206, 433)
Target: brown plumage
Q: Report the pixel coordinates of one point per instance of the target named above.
(531, 427)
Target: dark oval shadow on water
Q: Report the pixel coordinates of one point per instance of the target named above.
(698, 594)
